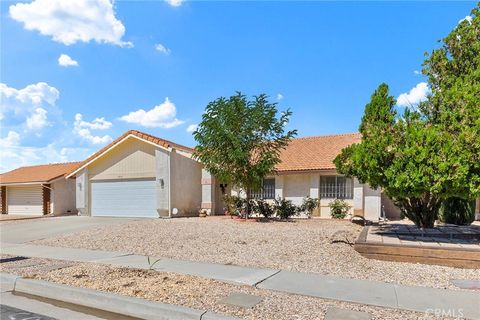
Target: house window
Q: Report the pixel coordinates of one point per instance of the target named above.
(267, 192)
(336, 187)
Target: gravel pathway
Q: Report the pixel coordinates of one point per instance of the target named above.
(194, 292)
(304, 246)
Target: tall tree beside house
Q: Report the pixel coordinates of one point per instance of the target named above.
(453, 73)
(239, 140)
(430, 153)
(403, 155)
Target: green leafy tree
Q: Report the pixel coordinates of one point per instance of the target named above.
(409, 158)
(453, 73)
(430, 153)
(240, 140)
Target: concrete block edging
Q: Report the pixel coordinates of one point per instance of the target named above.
(115, 303)
(8, 281)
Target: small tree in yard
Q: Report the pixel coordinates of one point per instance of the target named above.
(429, 153)
(239, 140)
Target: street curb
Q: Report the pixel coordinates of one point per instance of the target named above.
(110, 302)
(7, 282)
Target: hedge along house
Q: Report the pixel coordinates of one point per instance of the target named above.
(38, 190)
(307, 169)
(139, 175)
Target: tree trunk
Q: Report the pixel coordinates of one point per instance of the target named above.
(423, 211)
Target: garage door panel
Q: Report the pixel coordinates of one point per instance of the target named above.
(124, 198)
(25, 200)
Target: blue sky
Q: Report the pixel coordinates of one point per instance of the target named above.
(170, 58)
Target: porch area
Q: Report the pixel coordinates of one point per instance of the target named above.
(447, 245)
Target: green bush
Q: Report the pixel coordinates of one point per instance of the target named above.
(285, 209)
(263, 208)
(457, 211)
(235, 206)
(308, 205)
(339, 208)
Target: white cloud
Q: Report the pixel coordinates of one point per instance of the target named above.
(70, 21)
(14, 155)
(66, 61)
(467, 18)
(83, 129)
(12, 139)
(279, 96)
(161, 116)
(161, 48)
(37, 120)
(33, 95)
(28, 102)
(96, 124)
(414, 96)
(417, 72)
(175, 3)
(191, 128)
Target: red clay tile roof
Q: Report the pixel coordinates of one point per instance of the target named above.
(314, 153)
(40, 173)
(161, 142)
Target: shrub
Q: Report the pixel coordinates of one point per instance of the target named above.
(285, 209)
(263, 208)
(339, 208)
(308, 205)
(457, 211)
(234, 205)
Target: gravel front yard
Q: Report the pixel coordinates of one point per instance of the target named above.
(194, 292)
(304, 246)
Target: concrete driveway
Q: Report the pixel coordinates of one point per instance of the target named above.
(28, 230)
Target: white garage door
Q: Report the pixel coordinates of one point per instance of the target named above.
(124, 198)
(26, 200)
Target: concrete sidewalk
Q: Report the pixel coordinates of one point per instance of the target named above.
(374, 293)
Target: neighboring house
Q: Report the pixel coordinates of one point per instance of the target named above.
(307, 169)
(139, 175)
(38, 190)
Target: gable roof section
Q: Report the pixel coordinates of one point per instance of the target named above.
(133, 133)
(41, 173)
(314, 153)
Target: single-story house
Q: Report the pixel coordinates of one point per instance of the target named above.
(139, 175)
(307, 169)
(38, 190)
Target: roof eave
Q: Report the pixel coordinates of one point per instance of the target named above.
(23, 183)
(293, 171)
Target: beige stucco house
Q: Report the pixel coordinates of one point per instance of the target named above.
(307, 169)
(139, 175)
(38, 190)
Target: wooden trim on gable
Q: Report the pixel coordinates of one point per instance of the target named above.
(3, 196)
(46, 196)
